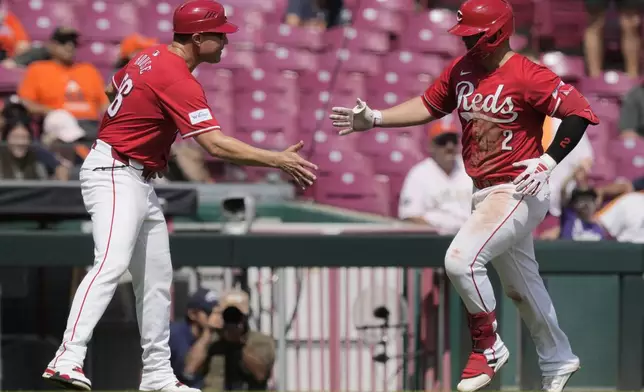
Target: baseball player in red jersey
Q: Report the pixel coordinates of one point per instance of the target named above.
(502, 99)
(153, 99)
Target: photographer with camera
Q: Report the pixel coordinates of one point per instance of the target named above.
(214, 347)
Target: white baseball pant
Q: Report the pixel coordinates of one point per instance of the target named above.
(500, 230)
(130, 232)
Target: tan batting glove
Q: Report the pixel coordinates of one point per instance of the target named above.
(359, 119)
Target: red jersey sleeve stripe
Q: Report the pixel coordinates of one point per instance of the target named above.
(433, 110)
(200, 131)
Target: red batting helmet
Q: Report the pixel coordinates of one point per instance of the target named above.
(488, 17)
(201, 16)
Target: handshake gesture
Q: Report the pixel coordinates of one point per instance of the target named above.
(290, 162)
(359, 119)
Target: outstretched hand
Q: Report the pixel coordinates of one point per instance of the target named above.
(359, 119)
(297, 167)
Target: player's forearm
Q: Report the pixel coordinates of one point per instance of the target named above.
(551, 234)
(409, 113)
(628, 133)
(21, 47)
(568, 135)
(61, 173)
(230, 149)
(259, 371)
(36, 108)
(191, 163)
(615, 189)
(197, 354)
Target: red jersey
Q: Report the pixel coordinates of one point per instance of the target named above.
(157, 97)
(502, 111)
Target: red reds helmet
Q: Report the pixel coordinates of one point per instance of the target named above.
(201, 16)
(488, 17)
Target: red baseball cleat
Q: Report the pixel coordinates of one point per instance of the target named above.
(479, 371)
(68, 378)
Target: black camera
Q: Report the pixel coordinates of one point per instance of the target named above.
(238, 213)
(232, 315)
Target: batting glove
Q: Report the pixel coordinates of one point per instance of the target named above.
(359, 119)
(536, 174)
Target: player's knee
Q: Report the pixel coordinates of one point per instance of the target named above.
(629, 22)
(113, 264)
(457, 262)
(597, 20)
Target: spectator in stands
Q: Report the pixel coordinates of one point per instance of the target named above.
(631, 119)
(64, 137)
(18, 159)
(437, 191)
(14, 40)
(314, 13)
(14, 109)
(623, 217)
(131, 45)
(191, 337)
(15, 112)
(214, 348)
(35, 53)
(60, 83)
(621, 186)
(188, 163)
(303, 12)
(578, 186)
(578, 210)
(331, 11)
(629, 20)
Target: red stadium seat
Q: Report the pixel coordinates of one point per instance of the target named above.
(40, 18)
(108, 21)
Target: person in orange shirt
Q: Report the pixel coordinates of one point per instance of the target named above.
(13, 37)
(60, 83)
(131, 45)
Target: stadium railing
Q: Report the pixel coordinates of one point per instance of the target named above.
(331, 283)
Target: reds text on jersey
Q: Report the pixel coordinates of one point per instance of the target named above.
(502, 111)
(156, 98)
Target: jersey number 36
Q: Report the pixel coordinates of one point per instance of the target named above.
(124, 89)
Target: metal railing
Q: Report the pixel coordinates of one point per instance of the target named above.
(353, 329)
(585, 280)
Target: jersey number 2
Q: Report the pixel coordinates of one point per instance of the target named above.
(507, 136)
(124, 89)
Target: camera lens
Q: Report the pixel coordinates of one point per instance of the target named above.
(232, 315)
